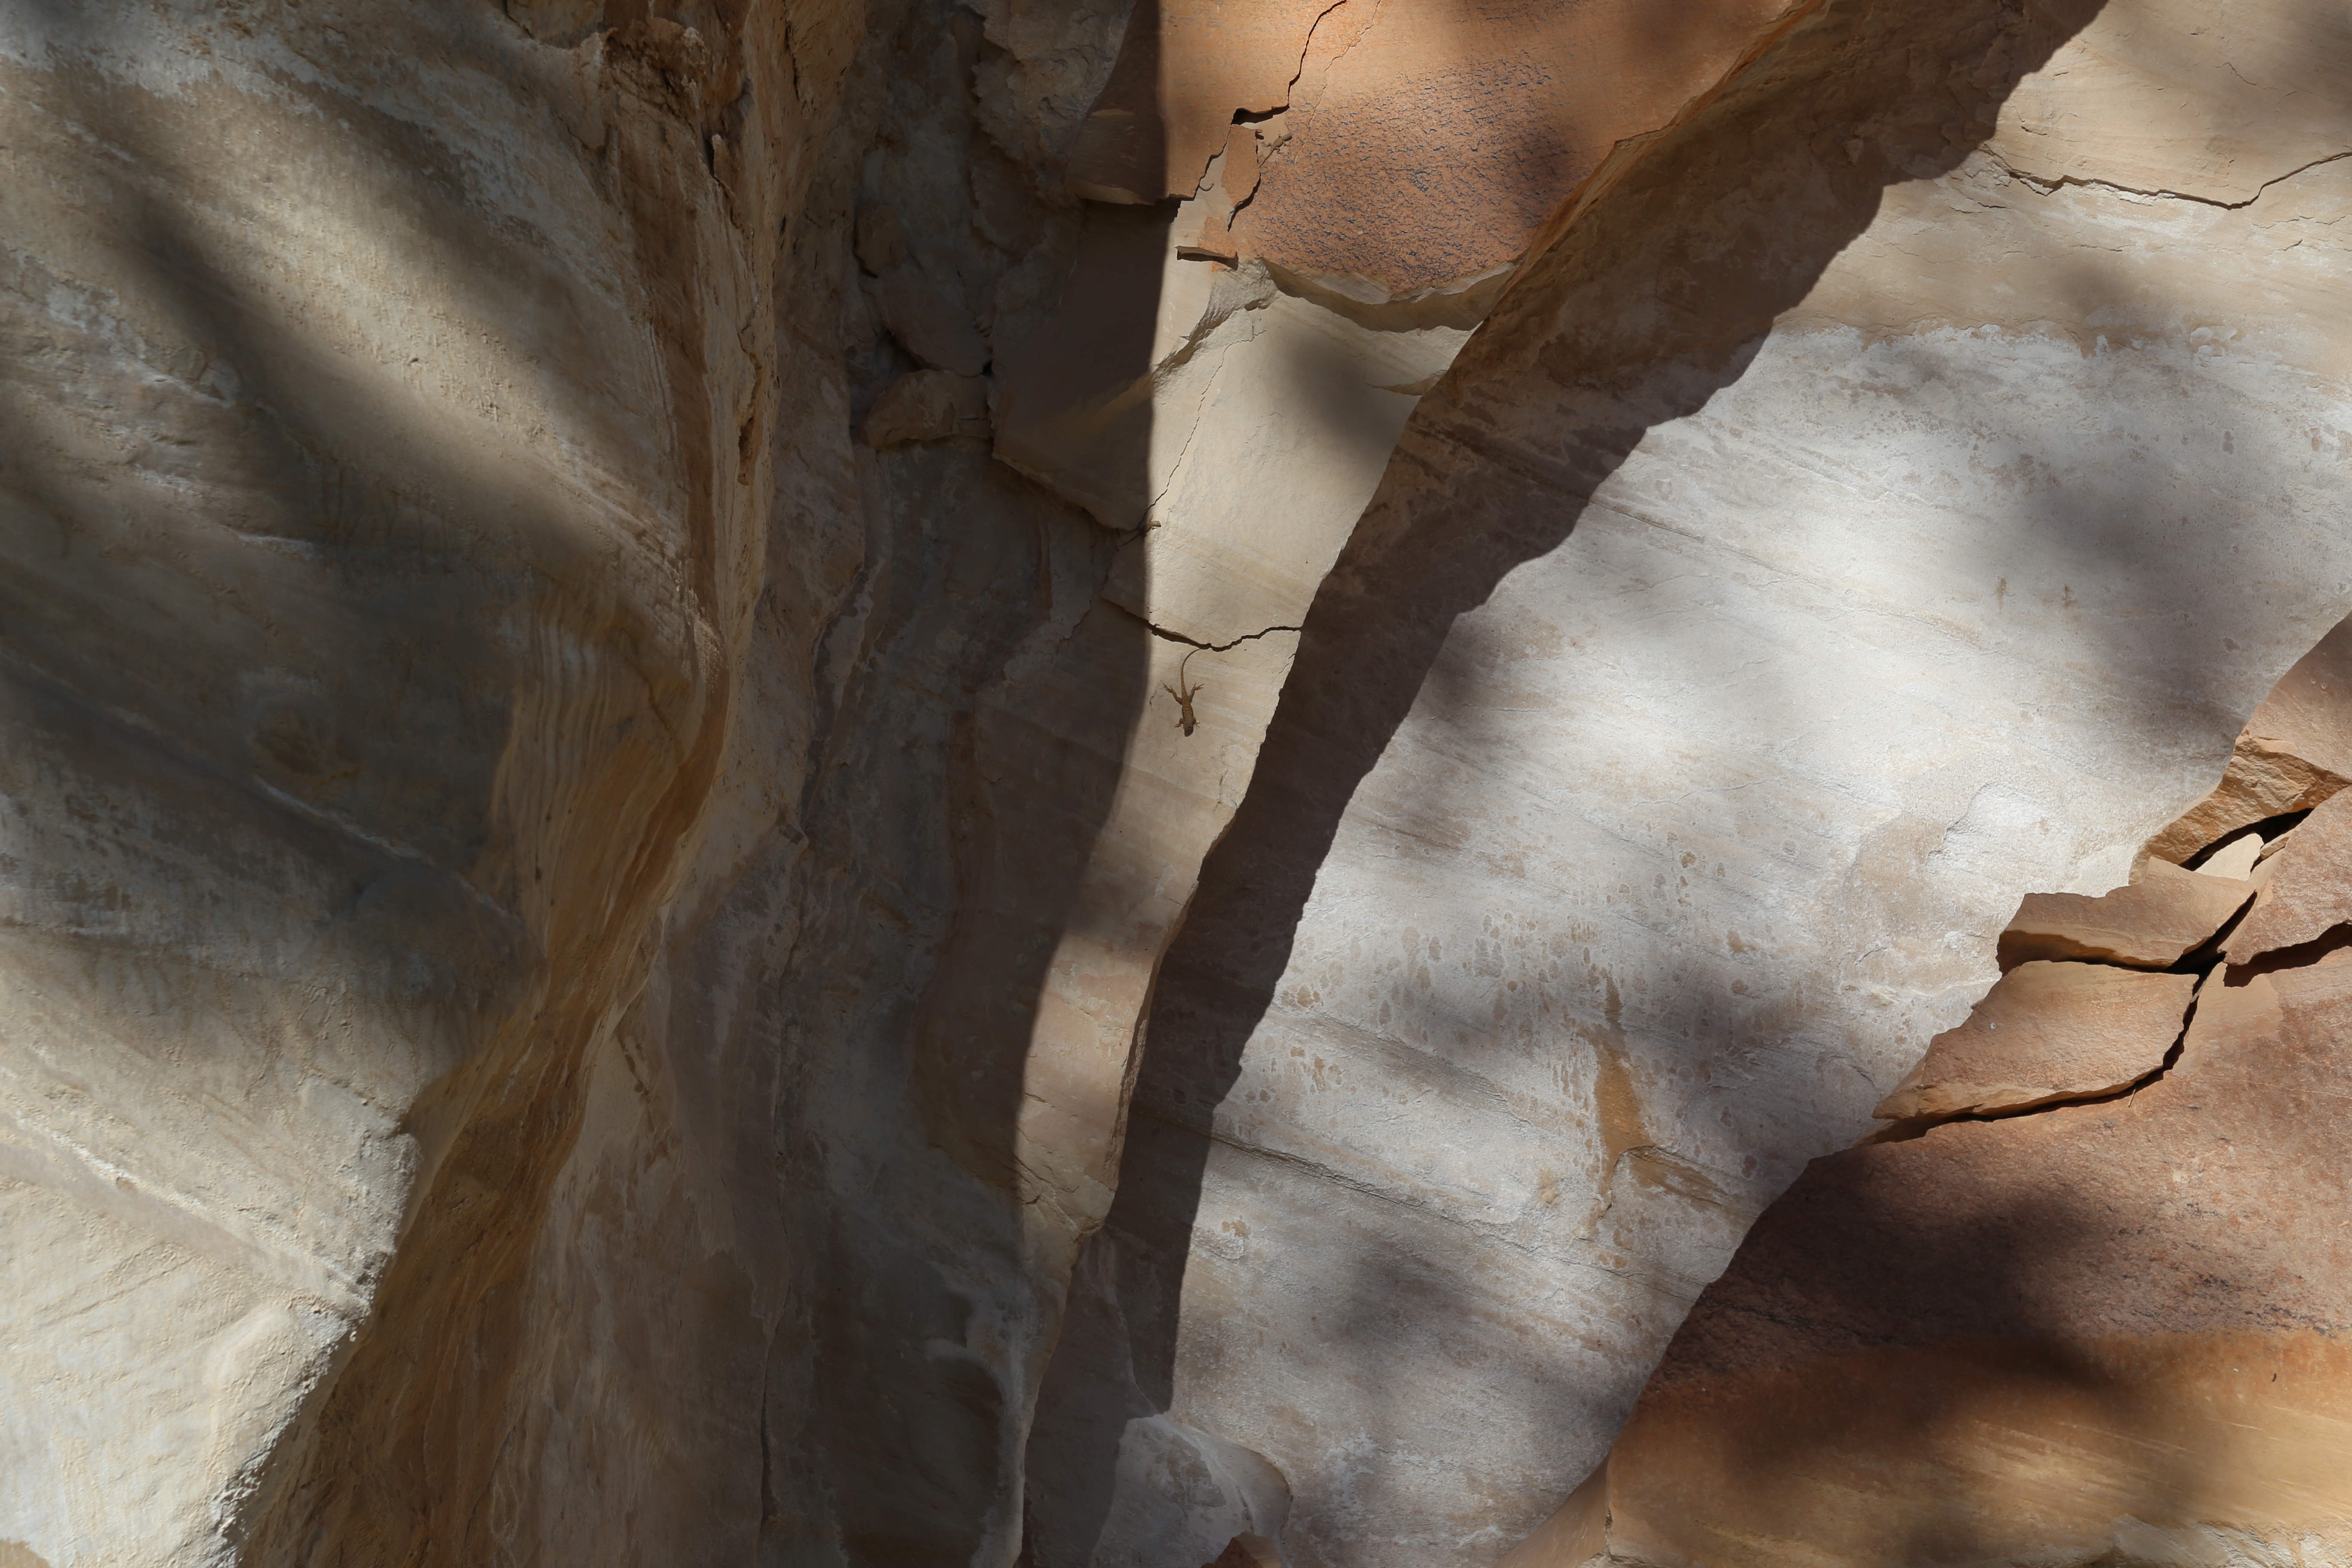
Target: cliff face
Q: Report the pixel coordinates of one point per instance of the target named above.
(1861, 515)
(852, 784)
(390, 407)
(2088, 1323)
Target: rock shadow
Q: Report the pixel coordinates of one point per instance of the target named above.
(1650, 303)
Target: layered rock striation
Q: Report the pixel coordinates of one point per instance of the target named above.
(2100, 1325)
(945, 782)
(1859, 517)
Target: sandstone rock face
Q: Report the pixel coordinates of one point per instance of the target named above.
(2046, 1032)
(2307, 891)
(1384, 150)
(2150, 924)
(2091, 1331)
(774, 797)
(1859, 517)
(2294, 754)
(2076, 1333)
(385, 530)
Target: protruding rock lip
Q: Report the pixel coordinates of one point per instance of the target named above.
(2295, 754)
(2047, 1032)
(2306, 889)
(2151, 923)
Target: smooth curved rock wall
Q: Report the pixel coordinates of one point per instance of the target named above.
(1867, 512)
(390, 413)
(631, 625)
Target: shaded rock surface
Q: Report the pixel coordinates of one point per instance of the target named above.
(630, 632)
(2089, 1330)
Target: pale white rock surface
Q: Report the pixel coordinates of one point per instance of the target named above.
(384, 535)
(1868, 512)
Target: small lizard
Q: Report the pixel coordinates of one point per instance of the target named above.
(1184, 719)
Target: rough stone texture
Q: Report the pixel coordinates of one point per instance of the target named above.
(2150, 923)
(1186, 70)
(2107, 1332)
(577, 932)
(1491, 116)
(2046, 1032)
(385, 526)
(1859, 516)
(2307, 891)
(2296, 752)
(1404, 148)
(928, 406)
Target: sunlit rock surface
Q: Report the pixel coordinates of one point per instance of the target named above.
(690, 683)
(2046, 1032)
(389, 414)
(1865, 515)
(2101, 1332)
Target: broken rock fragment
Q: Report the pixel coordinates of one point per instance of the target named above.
(2307, 888)
(2295, 752)
(2047, 1032)
(2234, 859)
(2150, 924)
(928, 406)
(2102, 1332)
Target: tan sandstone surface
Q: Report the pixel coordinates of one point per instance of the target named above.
(2291, 756)
(2046, 1032)
(385, 536)
(2150, 923)
(2302, 897)
(2103, 1333)
(1864, 514)
(687, 691)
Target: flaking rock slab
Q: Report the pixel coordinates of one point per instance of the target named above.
(2152, 923)
(2047, 1032)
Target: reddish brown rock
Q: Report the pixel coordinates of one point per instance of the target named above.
(2296, 752)
(1429, 143)
(1186, 68)
(1425, 144)
(2152, 923)
(2047, 1032)
(2306, 891)
(2113, 1329)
